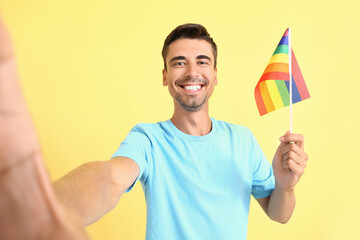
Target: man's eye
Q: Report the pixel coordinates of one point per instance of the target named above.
(203, 63)
(179, 64)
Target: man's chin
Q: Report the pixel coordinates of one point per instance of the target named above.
(192, 107)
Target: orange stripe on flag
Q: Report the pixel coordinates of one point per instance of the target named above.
(277, 67)
(266, 97)
(259, 101)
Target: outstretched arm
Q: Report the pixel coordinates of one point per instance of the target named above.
(288, 164)
(94, 188)
(29, 206)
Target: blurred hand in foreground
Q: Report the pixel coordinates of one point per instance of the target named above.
(28, 206)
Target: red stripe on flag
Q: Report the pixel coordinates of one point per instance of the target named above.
(259, 101)
(274, 76)
(286, 33)
(298, 78)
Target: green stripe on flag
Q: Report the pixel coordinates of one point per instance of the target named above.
(284, 93)
(282, 49)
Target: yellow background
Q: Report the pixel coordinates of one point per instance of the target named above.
(92, 69)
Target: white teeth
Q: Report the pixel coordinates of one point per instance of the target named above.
(192, 87)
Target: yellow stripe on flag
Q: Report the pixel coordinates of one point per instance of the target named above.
(280, 57)
(274, 94)
(266, 97)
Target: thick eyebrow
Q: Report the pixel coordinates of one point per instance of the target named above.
(183, 58)
(178, 58)
(203, 57)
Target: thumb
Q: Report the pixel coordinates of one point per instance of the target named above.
(283, 136)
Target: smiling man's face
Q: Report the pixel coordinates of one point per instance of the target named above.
(190, 74)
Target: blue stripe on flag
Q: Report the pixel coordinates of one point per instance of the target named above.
(284, 41)
(295, 92)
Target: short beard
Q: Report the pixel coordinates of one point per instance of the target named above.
(190, 108)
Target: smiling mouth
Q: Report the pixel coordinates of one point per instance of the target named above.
(192, 87)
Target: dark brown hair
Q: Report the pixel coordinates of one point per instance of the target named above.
(191, 31)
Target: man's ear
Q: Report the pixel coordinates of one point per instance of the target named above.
(165, 83)
(215, 80)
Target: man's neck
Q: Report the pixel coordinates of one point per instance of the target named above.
(193, 123)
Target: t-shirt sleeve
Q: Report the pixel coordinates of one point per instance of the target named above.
(263, 181)
(136, 146)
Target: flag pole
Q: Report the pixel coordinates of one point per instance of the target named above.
(290, 77)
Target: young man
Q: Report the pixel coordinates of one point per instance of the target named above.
(197, 173)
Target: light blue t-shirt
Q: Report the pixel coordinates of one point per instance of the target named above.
(198, 187)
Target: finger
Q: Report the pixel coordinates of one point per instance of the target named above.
(17, 136)
(283, 143)
(293, 148)
(6, 50)
(295, 168)
(295, 157)
(11, 100)
(293, 137)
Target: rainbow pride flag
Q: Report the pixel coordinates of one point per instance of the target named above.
(272, 91)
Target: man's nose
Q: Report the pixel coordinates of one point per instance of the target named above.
(192, 71)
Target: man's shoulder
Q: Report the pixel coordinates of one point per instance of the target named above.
(231, 127)
(148, 127)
